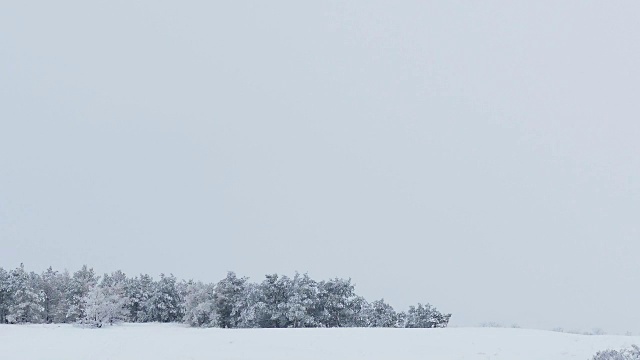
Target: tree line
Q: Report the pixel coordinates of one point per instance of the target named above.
(233, 302)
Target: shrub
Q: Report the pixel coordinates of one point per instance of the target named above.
(625, 354)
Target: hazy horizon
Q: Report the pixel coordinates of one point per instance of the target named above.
(482, 157)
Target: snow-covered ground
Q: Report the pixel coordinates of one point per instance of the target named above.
(175, 342)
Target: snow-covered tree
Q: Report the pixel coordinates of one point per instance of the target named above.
(381, 314)
(228, 298)
(182, 288)
(274, 303)
(62, 312)
(250, 307)
(275, 295)
(199, 305)
(424, 316)
(26, 304)
(164, 303)
(334, 300)
(4, 295)
(116, 279)
(357, 312)
(103, 305)
(114, 286)
(52, 286)
(82, 282)
(139, 290)
(301, 305)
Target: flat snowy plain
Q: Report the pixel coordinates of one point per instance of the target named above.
(176, 342)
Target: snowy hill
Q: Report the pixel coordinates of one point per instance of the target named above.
(173, 342)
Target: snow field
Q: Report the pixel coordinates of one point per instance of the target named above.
(175, 342)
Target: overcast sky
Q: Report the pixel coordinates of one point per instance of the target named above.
(480, 156)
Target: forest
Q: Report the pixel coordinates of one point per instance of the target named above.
(85, 298)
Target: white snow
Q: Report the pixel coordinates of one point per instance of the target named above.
(175, 342)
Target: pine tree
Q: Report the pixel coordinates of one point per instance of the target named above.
(228, 298)
(199, 305)
(275, 295)
(250, 307)
(356, 314)
(302, 301)
(82, 282)
(139, 290)
(114, 288)
(115, 279)
(26, 305)
(165, 301)
(381, 314)
(335, 298)
(425, 316)
(5, 295)
(52, 288)
(62, 312)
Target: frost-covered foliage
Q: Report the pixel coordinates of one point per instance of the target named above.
(228, 299)
(424, 316)
(80, 285)
(4, 295)
(335, 299)
(302, 305)
(164, 303)
(26, 300)
(625, 354)
(381, 314)
(199, 305)
(234, 302)
(281, 302)
(139, 290)
(103, 305)
(53, 288)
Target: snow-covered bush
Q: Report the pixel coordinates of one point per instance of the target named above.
(625, 354)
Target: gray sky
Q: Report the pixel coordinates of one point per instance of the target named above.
(481, 156)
